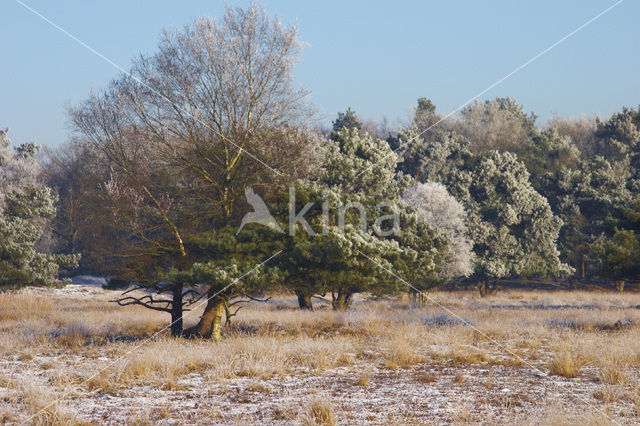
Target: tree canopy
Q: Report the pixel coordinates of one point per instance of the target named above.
(26, 207)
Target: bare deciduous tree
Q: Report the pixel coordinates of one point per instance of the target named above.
(214, 110)
(580, 131)
(435, 206)
(499, 124)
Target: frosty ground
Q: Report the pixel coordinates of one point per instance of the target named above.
(528, 357)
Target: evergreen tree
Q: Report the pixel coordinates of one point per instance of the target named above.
(620, 255)
(352, 246)
(26, 207)
(345, 120)
(619, 135)
(513, 229)
(587, 199)
(512, 226)
(547, 153)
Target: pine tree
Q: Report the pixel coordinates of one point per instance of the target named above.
(26, 207)
(513, 229)
(352, 257)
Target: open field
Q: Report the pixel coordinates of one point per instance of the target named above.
(530, 358)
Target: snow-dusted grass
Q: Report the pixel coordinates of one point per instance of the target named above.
(527, 356)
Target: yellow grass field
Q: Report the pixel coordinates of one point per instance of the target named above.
(519, 357)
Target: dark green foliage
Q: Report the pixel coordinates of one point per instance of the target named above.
(345, 120)
(22, 223)
(513, 229)
(620, 255)
(26, 208)
(587, 199)
(547, 153)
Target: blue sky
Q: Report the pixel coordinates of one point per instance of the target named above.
(376, 56)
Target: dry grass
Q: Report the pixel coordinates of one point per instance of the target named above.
(562, 415)
(42, 407)
(459, 379)
(609, 394)
(320, 412)
(70, 343)
(426, 378)
(363, 378)
(566, 364)
(403, 352)
(469, 355)
(20, 307)
(612, 371)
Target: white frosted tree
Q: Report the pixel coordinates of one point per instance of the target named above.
(512, 226)
(26, 207)
(499, 124)
(18, 168)
(442, 212)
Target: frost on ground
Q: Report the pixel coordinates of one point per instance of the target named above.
(68, 356)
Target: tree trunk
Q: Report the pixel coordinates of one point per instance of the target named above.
(304, 301)
(176, 311)
(412, 296)
(343, 300)
(482, 288)
(210, 324)
(488, 290)
(417, 297)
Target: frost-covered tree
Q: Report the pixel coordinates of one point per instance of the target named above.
(499, 124)
(619, 135)
(513, 230)
(214, 110)
(580, 132)
(347, 259)
(362, 167)
(619, 143)
(26, 207)
(345, 120)
(435, 206)
(432, 158)
(512, 226)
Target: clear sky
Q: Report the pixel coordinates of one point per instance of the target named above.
(376, 56)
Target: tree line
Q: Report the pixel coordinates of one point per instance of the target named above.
(149, 191)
